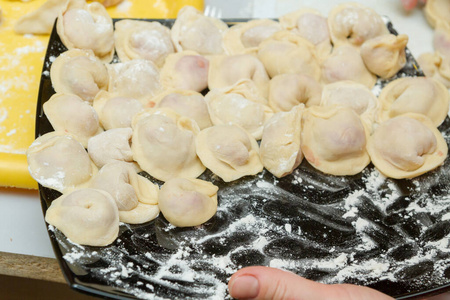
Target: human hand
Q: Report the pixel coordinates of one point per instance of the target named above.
(410, 4)
(270, 283)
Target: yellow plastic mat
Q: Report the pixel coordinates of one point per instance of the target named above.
(21, 59)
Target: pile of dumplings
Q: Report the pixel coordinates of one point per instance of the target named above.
(234, 100)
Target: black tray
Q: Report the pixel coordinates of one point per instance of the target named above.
(386, 234)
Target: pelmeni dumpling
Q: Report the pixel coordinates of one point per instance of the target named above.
(226, 70)
(187, 103)
(441, 39)
(194, 31)
(229, 151)
(227, 106)
(334, 140)
(41, 20)
(407, 146)
(436, 66)
(286, 52)
(79, 72)
(353, 24)
(355, 69)
(111, 145)
(87, 26)
(188, 202)
(437, 11)
(137, 78)
(163, 144)
(289, 90)
(85, 216)
(58, 161)
(116, 111)
(186, 70)
(385, 55)
(135, 39)
(414, 94)
(280, 144)
(245, 37)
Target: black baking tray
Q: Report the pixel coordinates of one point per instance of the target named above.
(325, 228)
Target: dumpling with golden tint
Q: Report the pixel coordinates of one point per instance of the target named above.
(110, 146)
(353, 24)
(280, 150)
(437, 11)
(289, 90)
(116, 111)
(41, 20)
(188, 202)
(163, 144)
(79, 72)
(417, 95)
(245, 37)
(194, 31)
(436, 66)
(385, 55)
(227, 70)
(86, 217)
(407, 146)
(83, 124)
(58, 161)
(137, 78)
(229, 152)
(87, 26)
(286, 52)
(355, 69)
(441, 39)
(136, 39)
(334, 140)
(185, 70)
(187, 103)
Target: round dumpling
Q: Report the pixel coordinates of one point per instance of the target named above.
(58, 161)
(354, 23)
(436, 66)
(85, 216)
(441, 39)
(385, 55)
(79, 72)
(407, 146)
(334, 140)
(83, 124)
(229, 152)
(87, 26)
(163, 144)
(188, 202)
(414, 94)
(135, 39)
(437, 11)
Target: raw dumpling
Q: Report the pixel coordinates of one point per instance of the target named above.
(185, 70)
(163, 144)
(414, 94)
(41, 20)
(437, 11)
(86, 216)
(71, 114)
(441, 39)
(355, 70)
(137, 78)
(226, 70)
(79, 72)
(385, 55)
(286, 52)
(289, 90)
(244, 38)
(58, 161)
(227, 106)
(436, 66)
(334, 140)
(188, 202)
(135, 39)
(229, 152)
(194, 31)
(280, 144)
(187, 103)
(111, 145)
(87, 26)
(353, 24)
(407, 146)
(116, 111)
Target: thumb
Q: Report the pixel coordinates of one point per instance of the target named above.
(269, 283)
(409, 4)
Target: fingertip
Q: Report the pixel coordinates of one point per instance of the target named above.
(243, 286)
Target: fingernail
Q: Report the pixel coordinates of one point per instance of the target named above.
(244, 287)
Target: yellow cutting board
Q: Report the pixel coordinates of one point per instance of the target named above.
(21, 59)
